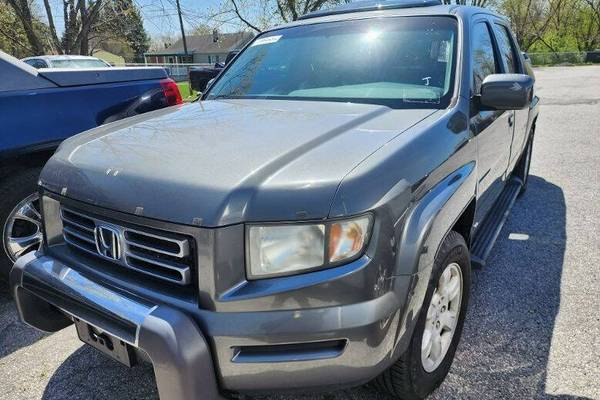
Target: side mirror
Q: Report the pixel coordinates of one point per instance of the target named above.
(506, 91)
(201, 77)
(209, 84)
(231, 55)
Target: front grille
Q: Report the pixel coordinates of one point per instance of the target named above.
(162, 255)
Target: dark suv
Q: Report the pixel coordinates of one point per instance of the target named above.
(311, 222)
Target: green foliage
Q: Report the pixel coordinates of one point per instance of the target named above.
(120, 30)
(554, 25)
(12, 36)
(186, 92)
(88, 25)
(13, 39)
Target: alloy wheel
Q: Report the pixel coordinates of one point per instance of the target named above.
(22, 231)
(442, 317)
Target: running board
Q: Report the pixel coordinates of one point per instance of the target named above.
(492, 225)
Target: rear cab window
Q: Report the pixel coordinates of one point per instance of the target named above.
(36, 63)
(507, 49)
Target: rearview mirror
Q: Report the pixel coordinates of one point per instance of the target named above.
(506, 91)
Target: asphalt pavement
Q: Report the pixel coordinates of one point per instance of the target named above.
(533, 326)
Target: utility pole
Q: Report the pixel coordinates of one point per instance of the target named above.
(182, 31)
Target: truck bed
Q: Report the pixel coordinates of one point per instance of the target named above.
(66, 77)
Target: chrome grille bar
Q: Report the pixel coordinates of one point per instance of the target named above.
(166, 257)
(79, 235)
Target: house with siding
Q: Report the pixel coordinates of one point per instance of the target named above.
(206, 48)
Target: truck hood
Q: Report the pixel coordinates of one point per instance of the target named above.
(215, 163)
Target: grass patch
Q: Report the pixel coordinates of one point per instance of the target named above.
(186, 92)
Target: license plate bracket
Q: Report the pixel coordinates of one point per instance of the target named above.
(114, 347)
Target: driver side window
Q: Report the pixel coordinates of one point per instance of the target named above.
(483, 58)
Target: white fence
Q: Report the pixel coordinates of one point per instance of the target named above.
(179, 72)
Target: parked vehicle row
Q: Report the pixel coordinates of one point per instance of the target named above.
(310, 223)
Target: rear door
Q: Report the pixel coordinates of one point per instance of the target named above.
(511, 62)
(493, 129)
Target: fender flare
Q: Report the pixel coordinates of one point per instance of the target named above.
(425, 228)
(431, 218)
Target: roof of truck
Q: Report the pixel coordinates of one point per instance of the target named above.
(377, 8)
(371, 5)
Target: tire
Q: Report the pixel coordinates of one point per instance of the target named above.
(524, 165)
(13, 191)
(408, 378)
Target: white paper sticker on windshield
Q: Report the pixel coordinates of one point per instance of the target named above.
(266, 40)
(444, 52)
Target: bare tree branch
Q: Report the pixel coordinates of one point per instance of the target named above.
(53, 34)
(23, 12)
(245, 21)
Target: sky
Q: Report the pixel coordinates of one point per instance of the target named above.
(160, 16)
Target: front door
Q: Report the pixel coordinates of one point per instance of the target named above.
(493, 129)
(512, 65)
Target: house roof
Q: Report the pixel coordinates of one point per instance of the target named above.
(204, 44)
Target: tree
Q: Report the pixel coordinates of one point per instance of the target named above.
(530, 19)
(267, 13)
(258, 14)
(121, 21)
(87, 24)
(79, 17)
(587, 36)
(22, 10)
(160, 43)
(12, 35)
(291, 10)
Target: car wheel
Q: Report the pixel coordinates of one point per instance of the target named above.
(20, 218)
(426, 362)
(524, 165)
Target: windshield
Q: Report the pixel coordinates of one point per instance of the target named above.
(82, 63)
(401, 62)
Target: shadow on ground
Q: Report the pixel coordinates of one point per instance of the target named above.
(88, 374)
(514, 302)
(506, 339)
(13, 333)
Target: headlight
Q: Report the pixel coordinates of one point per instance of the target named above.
(284, 249)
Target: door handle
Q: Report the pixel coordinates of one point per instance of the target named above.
(511, 120)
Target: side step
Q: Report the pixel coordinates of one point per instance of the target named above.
(492, 225)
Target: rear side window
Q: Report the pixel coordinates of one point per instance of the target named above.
(507, 49)
(483, 58)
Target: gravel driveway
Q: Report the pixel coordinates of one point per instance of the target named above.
(533, 326)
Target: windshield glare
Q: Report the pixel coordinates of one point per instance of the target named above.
(401, 62)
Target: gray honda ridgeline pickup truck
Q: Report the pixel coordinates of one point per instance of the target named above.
(310, 223)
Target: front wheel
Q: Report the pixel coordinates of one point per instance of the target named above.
(20, 218)
(426, 362)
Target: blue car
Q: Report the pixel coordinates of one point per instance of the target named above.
(41, 108)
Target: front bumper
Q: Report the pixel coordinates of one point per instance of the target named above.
(41, 287)
(198, 354)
